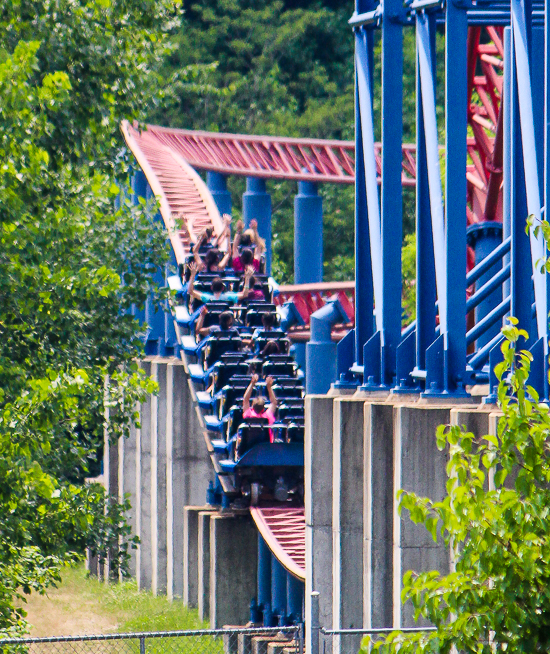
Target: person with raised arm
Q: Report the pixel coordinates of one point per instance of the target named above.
(258, 410)
(218, 294)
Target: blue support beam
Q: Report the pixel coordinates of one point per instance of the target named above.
(308, 235)
(217, 185)
(364, 290)
(391, 189)
(257, 205)
(521, 285)
(295, 598)
(264, 574)
(452, 308)
(278, 589)
(426, 295)
(155, 317)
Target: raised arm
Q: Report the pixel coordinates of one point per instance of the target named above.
(272, 397)
(227, 232)
(246, 288)
(239, 227)
(196, 249)
(199, 330)
(248, 393)
(193, 267)
(258, 240)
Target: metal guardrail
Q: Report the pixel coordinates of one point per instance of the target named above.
(275, 640)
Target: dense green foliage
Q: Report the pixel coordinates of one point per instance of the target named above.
(280, 68)
(71, 265)
(495, 519)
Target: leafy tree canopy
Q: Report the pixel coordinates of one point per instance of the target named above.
(71, 266)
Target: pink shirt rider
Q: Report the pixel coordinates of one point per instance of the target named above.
(266, 413)
(238, 265)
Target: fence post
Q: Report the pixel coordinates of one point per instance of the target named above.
(315, 626)
(142, 645)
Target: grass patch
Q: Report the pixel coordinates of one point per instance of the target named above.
(82, 605)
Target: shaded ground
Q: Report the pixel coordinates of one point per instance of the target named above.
(82, 605)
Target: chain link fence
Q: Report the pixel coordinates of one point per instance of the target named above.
(277, 640)
(348, 641)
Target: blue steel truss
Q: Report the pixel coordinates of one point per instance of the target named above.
(438, 354)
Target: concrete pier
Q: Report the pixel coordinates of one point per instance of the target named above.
(418, 467)
(233, 568)
(359, 452)
(318, 506)
(162, 466)
(378, 515)
(203, 564)
(347, 513)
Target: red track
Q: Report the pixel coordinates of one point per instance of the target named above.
(284, 531)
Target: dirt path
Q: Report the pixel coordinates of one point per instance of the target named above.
(73, 608)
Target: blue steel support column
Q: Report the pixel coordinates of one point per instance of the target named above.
(139, 190)
(294, 597)
(434, 354)
(453, 309)
(321, 350)
(257, 205)
(278, 588)
(217, 185)
(364, 294)
(264, 573)
(308, 234)
(391, 192)
(506, 108)
(155, 343)
(426, 295)
(521, 285)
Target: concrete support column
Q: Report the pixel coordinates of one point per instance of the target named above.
(318, 508)
(233, 568)
(188, 469)
(160, 582)
(217, 185)
(378, 515)
(191, 555)
(419, 467)
(204, 564)
(110, 475)
(347, 513)
(308, 234)
(257, 205)
(147, 444)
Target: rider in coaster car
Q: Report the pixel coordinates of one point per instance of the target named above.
(258, 410)
(219, 294)
(206, 238)
(250, 239)
(212, 263)
(256, 293)
(269, 321)
(255, 364)
(227, 319)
